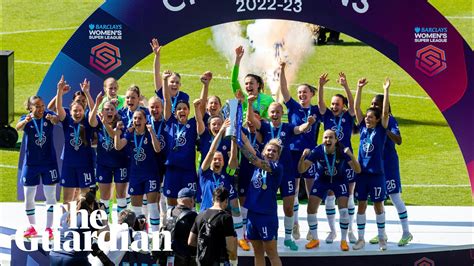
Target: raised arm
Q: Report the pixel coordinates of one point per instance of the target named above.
(350, 100)
(93, 114)
(59, 99)
(250, 114)
(354, 163)
(86, 89)
(156, 48)
(154, 140)
(323, 79)
(205, 80)
(119, 143)
(239, 53)
(200, 126)
(249, 152)
(166, 96)
(358, 111)
(386, 103)
(52, 104)
(21, 125)
(210, 155)
(108, 127)
(283, 83)
(305, 126)
(234, 157)
(303, 164)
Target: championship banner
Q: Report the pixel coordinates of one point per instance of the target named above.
(412, 34)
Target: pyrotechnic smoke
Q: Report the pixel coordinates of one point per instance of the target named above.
(267, 42)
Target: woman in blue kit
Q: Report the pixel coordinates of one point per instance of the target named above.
(211, 105)
(111, 164)
(339, 117)
(77, 155)
(261, 201)
(371, 181)
(285, 133)
(214, 171)
(173, 82)
(331, 158)
(246, 168)
(392, 172)
(180, 163)
(132, 103)
(40, 163)
(142, 148)
(298, 113)
(159, 113)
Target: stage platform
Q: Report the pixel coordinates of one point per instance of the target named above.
(442, 236)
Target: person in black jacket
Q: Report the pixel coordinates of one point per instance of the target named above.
(223, 242)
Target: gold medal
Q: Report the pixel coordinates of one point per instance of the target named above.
(264, 186)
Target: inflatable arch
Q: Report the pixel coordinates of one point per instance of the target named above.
(116, 36)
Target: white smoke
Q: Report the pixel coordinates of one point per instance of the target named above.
(266, 43)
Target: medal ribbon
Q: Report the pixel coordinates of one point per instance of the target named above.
(139, 147)
(40, 130)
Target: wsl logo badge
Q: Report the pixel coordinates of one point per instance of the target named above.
(431, 60)
(105, 57)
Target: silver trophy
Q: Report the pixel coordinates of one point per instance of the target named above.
(235, 125)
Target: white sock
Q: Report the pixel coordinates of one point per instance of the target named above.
(361, 225)
(351, 209)
(344, 222)
(313, 225)
(402, 211)
(121, 204)
(296, 207)
(137, 210)
(243, 212)
(380, 218)
(107, 205)
(238, 226)
(50, 195)
(154, 214)
(30, 193)
(288, 222)
(330, 204)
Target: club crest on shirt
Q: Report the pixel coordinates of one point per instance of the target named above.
(139, 155)
(40, 140)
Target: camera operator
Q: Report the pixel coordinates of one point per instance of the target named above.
(179, 223)
(76, 257)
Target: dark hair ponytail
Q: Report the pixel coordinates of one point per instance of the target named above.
(30, 100)
(261, 84)
(344, 99)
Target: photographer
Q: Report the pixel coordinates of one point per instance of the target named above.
(65, 257)
(213, 233)
(179, 223)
